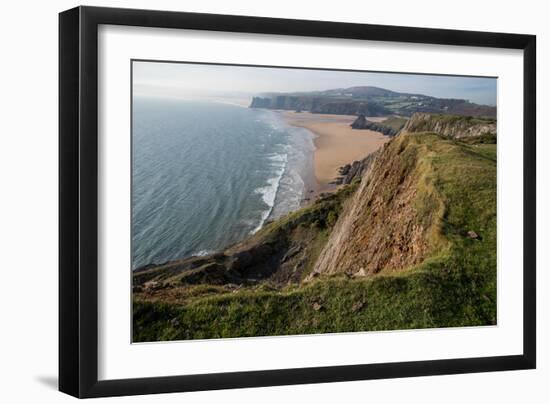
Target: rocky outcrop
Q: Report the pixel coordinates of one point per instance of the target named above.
(389, 130)
(354, 171)
(360, 123)
(456, 127)
(259, 102)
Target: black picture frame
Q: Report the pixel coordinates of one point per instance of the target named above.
(78, 201)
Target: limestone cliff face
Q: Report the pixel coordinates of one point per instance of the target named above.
(453, 126)
(320, 105)
(386, 226)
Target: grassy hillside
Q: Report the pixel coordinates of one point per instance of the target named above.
(394, 122)
(389, 127)
(453, 286)
(465, 128)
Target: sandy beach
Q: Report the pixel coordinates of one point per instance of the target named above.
(336, 143)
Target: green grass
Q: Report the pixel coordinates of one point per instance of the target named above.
(455, 286)
(456, 121)
(465, 179)
(322, 214)
(420, 299)
(394, 122)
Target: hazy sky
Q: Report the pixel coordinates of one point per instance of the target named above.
(196, 80)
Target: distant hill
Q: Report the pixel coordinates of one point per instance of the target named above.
(363, 91)
(369, 101)
(456, 127)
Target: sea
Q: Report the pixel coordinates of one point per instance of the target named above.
(205, 175)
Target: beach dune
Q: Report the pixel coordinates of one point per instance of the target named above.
(336, 143)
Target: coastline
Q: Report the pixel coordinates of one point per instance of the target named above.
(336, 144)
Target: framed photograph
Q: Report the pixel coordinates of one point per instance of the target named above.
(251, 201)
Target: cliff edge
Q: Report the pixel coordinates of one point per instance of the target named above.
(453, 126)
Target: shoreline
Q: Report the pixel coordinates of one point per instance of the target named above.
(336, 144)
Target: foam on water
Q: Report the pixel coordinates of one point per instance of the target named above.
(202, 253)
(206, 175)
(269, 192)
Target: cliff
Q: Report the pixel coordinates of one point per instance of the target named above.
(389, 127)
(457, 127)
(320, 105)
(282, 252)
(383, 229)
(353, 172)
(400, 215)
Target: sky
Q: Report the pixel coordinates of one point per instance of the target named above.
(185, 80)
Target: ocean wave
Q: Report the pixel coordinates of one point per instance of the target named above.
(294, 163)
(269, 192)
(279, 157)
(202, 253)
